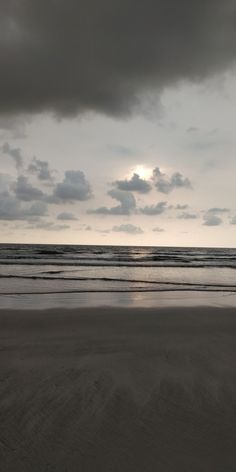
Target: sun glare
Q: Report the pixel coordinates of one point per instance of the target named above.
(143, 171)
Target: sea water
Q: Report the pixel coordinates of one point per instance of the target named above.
(36, 275)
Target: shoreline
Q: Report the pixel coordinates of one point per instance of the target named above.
(118, 389)
(118, 299)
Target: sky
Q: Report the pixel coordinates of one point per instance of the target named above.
(117, 122)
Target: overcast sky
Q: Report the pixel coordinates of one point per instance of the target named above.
(117, 122)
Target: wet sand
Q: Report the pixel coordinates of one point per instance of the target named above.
(115, 389)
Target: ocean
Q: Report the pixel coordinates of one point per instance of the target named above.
(38, 275)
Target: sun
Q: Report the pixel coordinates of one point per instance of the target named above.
(143, 171)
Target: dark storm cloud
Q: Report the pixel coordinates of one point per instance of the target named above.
(165, 184)
(127, 228)
(41, 169)
(74, 187)
(14, 153)
(152, 210)
(127, 204)
(135, 184)
(69, 56)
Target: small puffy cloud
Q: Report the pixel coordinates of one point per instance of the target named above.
(127, 204)
(187, 216)
(37, 209)
(181, 207)
(40, 168)
(18, 206)
(126, 199)
(14, 153)
(74, 187)
(127, 228)
(103, 231)
(12, 209)
(135, 184)
(157, 229)
(213, 217)
(25, 191)
(48, 226)
(212, 220)
(233, 220)
(66, 216)
(165, 184)
(157, 174)
(218, 210)
(151, 210)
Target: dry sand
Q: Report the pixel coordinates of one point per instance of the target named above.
(118, 390)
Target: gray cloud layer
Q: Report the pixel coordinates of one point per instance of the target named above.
(69, 56)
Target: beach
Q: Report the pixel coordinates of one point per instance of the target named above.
(118, 389)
